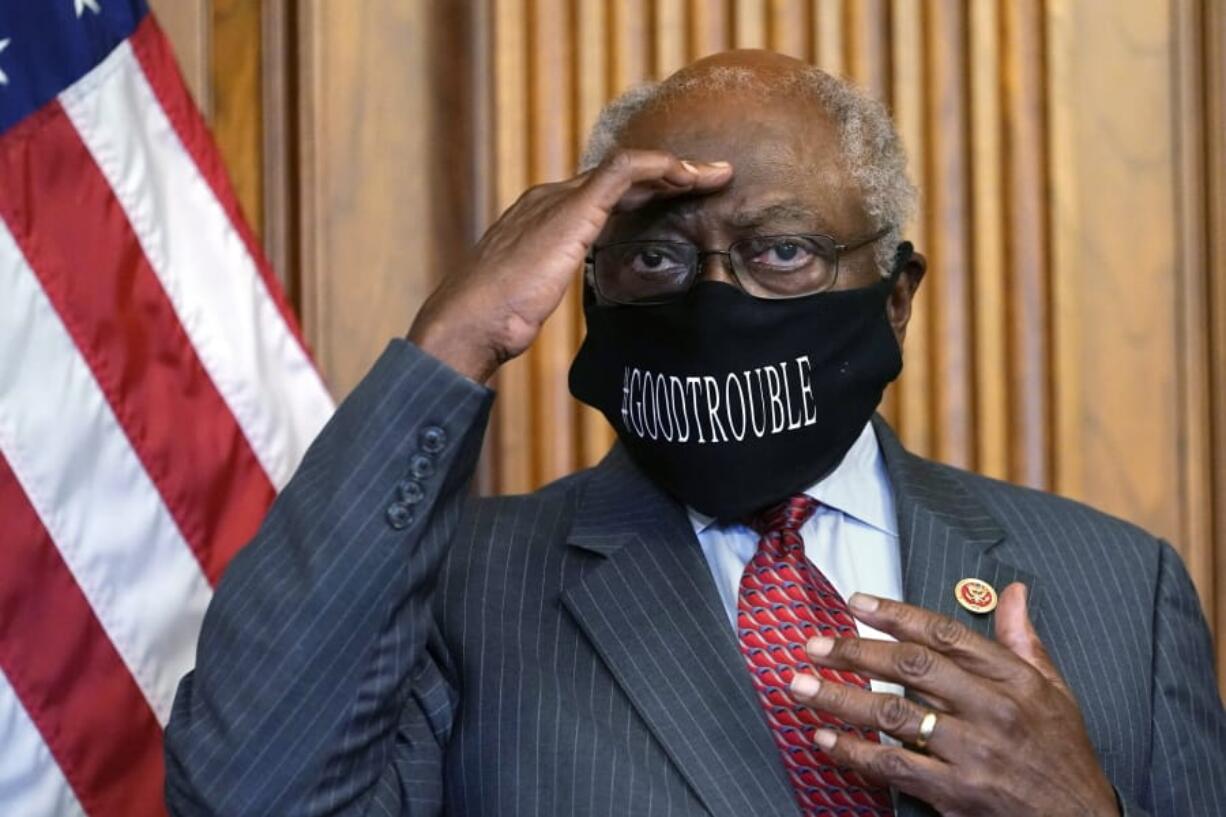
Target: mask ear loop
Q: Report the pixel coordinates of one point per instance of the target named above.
(589, 284)
(901, 256)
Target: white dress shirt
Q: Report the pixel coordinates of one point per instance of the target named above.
(852, 537)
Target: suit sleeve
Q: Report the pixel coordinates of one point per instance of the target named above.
(1188, 754)
(321, 686)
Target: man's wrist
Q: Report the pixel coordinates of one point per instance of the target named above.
(455, 348)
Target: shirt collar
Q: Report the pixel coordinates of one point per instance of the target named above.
(859, 487)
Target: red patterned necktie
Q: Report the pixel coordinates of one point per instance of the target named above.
(784, 601)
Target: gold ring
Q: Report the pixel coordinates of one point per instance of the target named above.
(927, 726)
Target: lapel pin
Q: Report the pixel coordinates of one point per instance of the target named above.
(975, 595)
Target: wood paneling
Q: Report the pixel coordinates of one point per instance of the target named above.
(1213, 583)
(1116, 387)
(189, 25)
(1024, 198)
(948, 239)
(237, 102)
(384, 141)
(515, 455)
(912, 394)
(1071, 334)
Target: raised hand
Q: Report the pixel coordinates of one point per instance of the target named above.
(484, 315)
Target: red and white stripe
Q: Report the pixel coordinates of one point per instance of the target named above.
(154, 395)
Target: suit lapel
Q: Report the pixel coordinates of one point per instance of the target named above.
(944, 535)
(651, 611)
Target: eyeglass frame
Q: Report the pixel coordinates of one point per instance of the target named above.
(839, 250)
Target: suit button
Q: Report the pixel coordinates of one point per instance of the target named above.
(421, 466)
(433, 439)
(399, 516)
(410, 491)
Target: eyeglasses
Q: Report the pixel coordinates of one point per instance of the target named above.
(641, 273)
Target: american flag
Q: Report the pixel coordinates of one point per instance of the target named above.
(154, 395)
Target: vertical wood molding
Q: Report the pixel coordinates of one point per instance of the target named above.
(866, 34)
(513, 412)
(630, 44)
(750, 24)
(189, 26)
(281, 155)
(593, 88)
(949, 287)
(1065, 234)
(790, 28)
(1025, 201)
(235, 77)
(551, 141)
(708, 27)
(1193, 335)
(991, 372)
(910, 109)
(670, 28)
(828, 36)
(1214, 26)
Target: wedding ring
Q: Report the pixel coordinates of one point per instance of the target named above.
(927, 726)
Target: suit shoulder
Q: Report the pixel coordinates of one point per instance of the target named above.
(1023, 509)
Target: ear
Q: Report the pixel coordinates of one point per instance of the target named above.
(898, 307)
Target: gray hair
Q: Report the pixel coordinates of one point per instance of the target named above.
(872, 151)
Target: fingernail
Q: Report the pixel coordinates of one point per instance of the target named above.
(819, 646)
(825, 738)
(805, 686)
(863, 603)
(720, 164)
(689, 166)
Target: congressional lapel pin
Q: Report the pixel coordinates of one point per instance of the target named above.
(975, 595)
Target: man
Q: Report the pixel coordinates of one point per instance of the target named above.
(719, 617)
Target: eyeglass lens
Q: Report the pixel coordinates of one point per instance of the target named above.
(786, 266)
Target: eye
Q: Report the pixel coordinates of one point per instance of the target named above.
(650, 259)
(782, 254)
(654, 261)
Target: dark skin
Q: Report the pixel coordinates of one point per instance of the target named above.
(1009, 739)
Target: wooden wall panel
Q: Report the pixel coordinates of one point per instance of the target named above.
(237, 103)
(383, 188)
(913, 392)
(1116, 381)
(551, 127)
(948, 240)
(189, 25)
(987, 260)
(1193, 304)
(1024, 198)
(1213, 92)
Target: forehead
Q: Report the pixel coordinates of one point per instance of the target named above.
(782, 148)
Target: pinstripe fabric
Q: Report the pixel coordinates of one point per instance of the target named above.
(512, 656)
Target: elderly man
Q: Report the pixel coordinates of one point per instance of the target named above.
(759, 603)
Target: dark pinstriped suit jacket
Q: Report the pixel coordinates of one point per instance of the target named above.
(566, 653)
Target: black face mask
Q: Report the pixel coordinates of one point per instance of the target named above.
(731, 402)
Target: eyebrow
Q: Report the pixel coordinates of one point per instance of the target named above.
(749, 218)
(782, 211)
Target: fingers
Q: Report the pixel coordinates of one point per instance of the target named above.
(915, 666)
(969, 650)
(882, 711)
(1015, 631)
(924, 777)
(628, 179)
